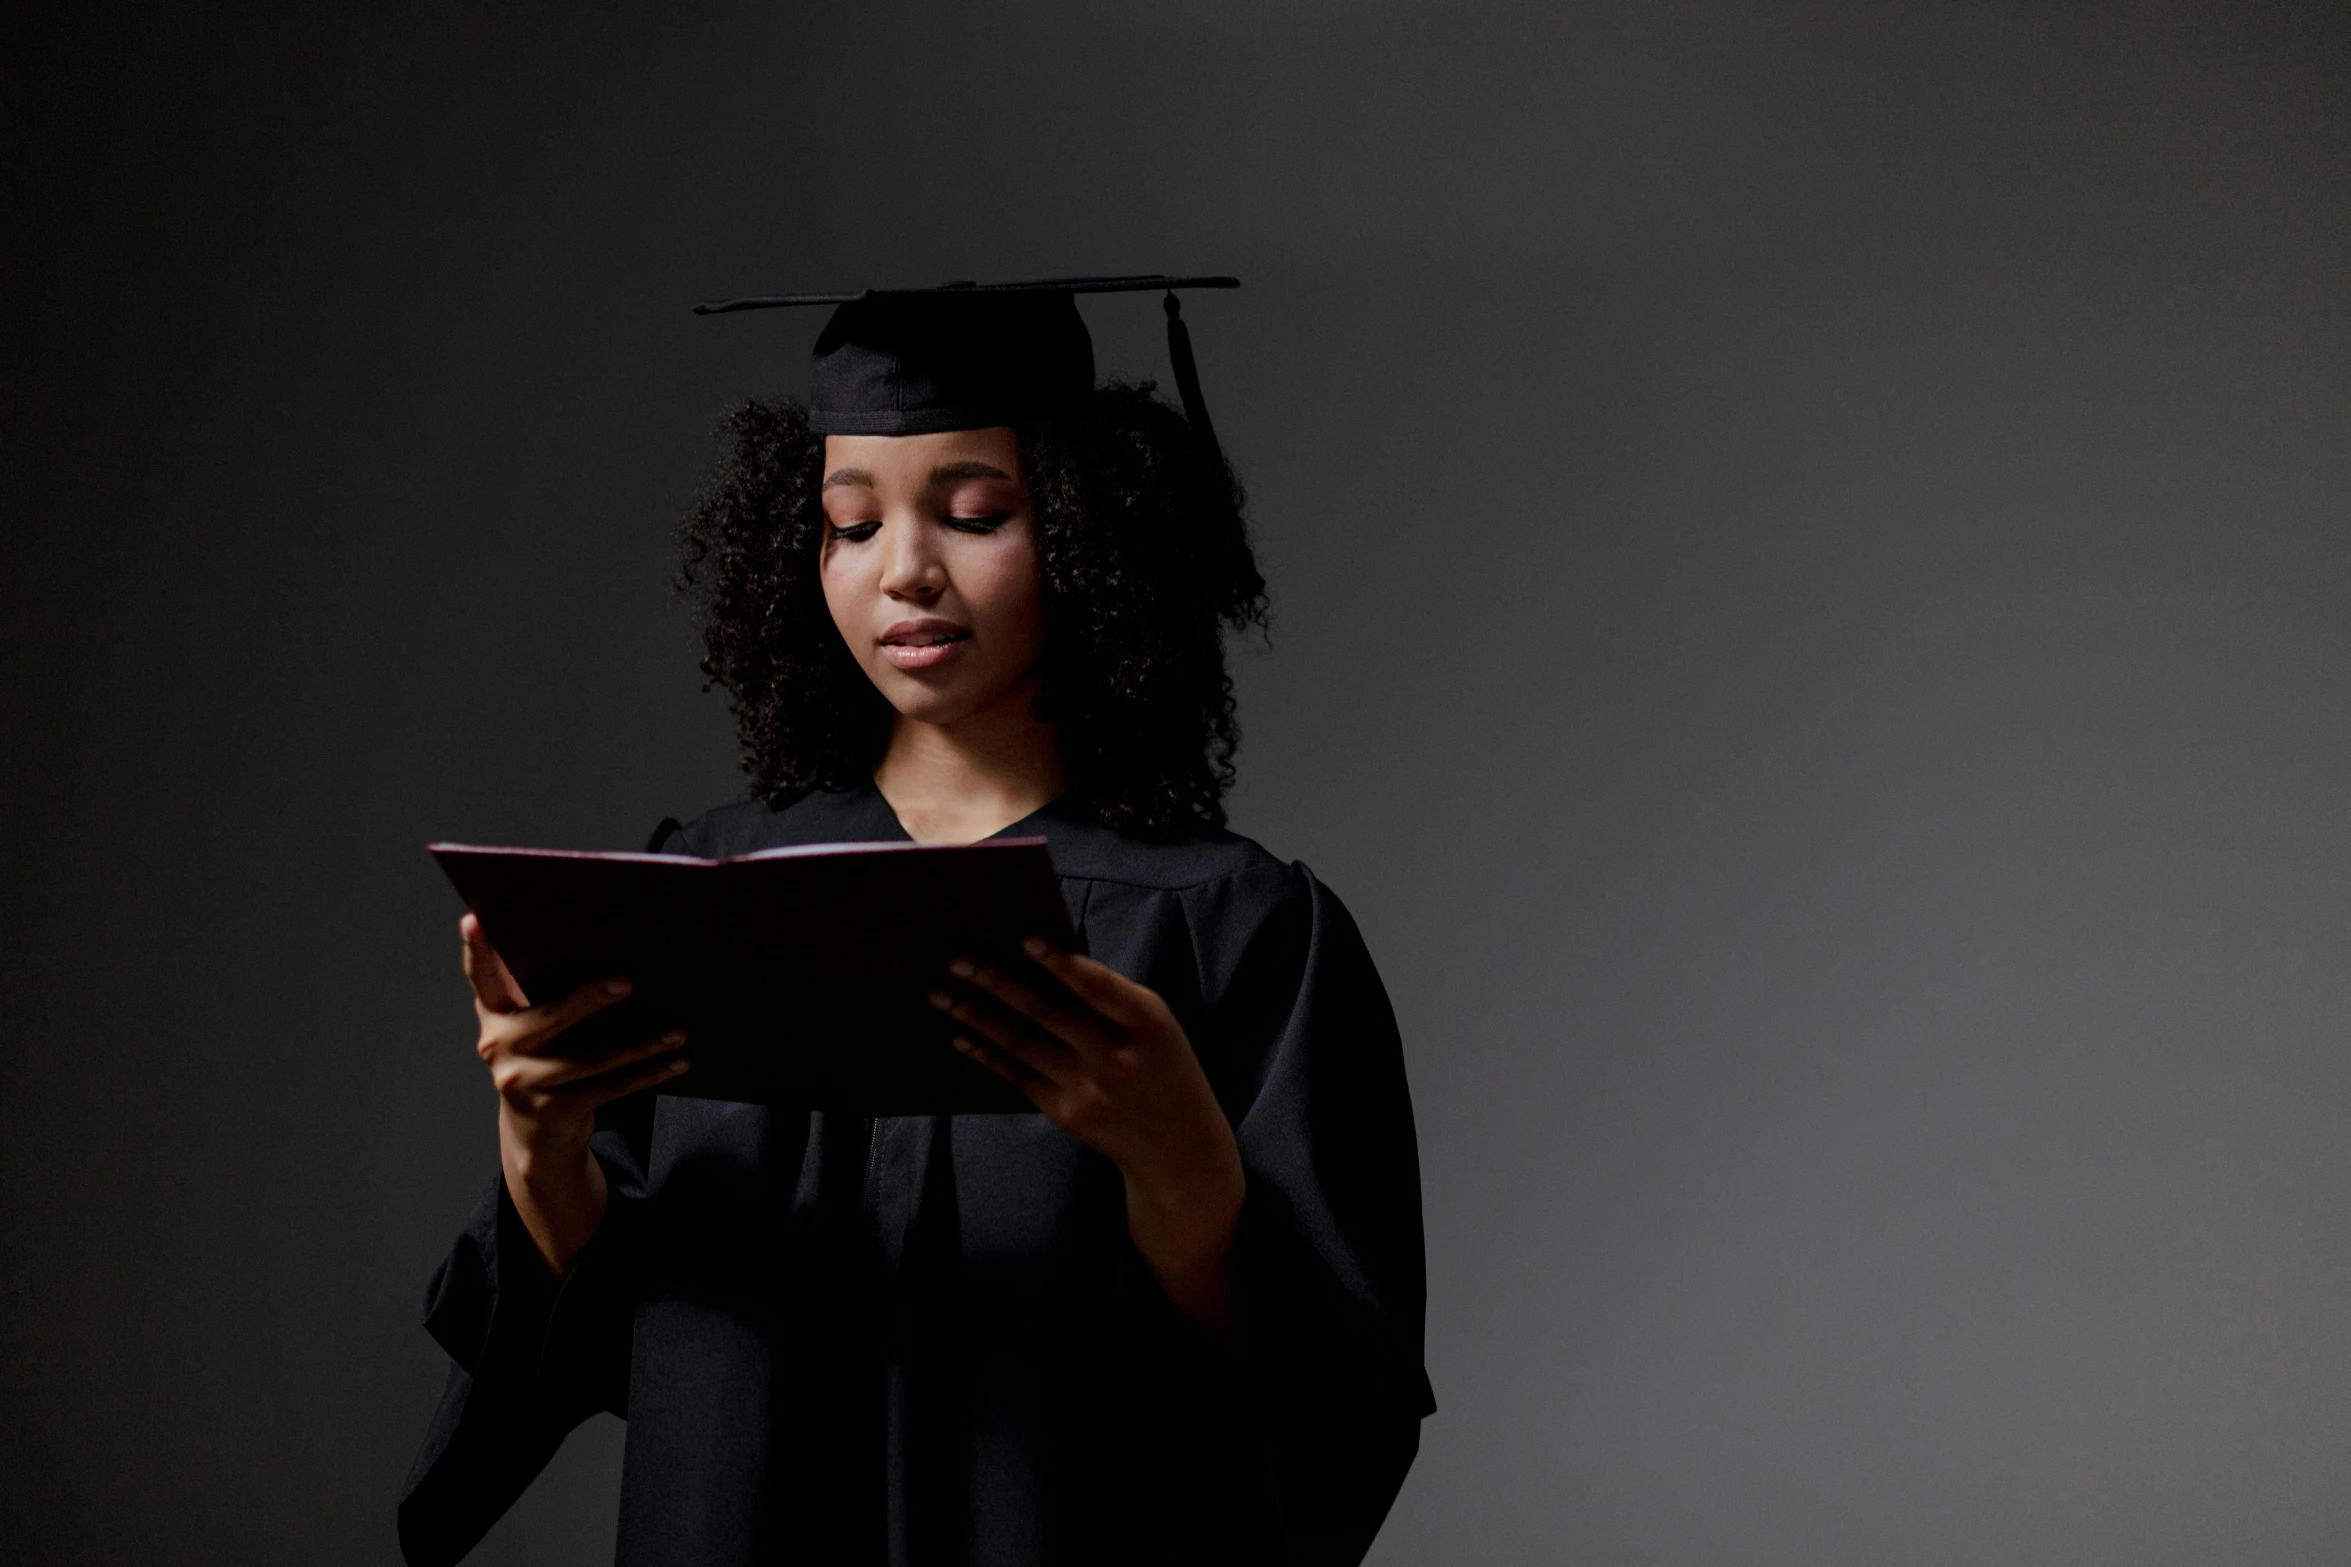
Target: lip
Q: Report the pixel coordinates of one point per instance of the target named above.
(925, 643)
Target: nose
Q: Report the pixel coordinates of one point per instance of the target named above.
(911, 568)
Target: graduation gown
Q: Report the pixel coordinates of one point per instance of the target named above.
(929, 1339)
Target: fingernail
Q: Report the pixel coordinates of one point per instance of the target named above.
(942, 1000)
(960, 968)
(616, 987)
(676, 1036)
(1035, 946)
(679, 1066)
(963, 1044)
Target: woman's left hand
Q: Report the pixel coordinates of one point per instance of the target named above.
(1106, 1061)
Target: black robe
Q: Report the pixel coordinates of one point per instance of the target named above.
(930, 1340)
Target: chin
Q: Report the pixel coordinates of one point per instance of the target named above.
(928, 704)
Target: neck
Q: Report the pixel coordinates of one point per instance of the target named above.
(959, 782)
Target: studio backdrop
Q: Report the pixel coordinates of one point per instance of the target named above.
(1808, 545)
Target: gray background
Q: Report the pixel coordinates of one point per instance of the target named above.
(1810, 545)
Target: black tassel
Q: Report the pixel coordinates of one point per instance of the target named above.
(1187, 378)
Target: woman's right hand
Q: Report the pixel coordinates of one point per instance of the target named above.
(547, 1102)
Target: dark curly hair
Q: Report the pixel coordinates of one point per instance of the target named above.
(1146, 562)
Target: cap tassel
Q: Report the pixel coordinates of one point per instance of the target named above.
(1187, 378)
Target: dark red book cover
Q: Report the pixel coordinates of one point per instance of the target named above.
(801, 976)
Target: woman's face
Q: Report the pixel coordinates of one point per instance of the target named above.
(931, 569)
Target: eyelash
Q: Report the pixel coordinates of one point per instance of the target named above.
(859, 532)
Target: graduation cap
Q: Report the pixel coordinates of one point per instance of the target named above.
(965, 356)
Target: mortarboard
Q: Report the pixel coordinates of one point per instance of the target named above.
(963, 356)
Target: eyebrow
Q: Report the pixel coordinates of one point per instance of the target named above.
(947, 474)
(967, 470)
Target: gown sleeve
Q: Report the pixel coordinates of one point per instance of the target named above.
(1329, 1261)
(530, 1357)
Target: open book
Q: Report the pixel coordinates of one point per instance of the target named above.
(801, 976)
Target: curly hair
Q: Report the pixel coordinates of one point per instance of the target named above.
(1146, 562)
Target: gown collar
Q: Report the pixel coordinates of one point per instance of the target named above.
(1050, 821)
(1082, 848)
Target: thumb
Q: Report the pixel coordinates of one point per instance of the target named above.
(493, 985)
(1100, 986)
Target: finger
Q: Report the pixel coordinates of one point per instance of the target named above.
(596, 1092)
(1007, 1032)
(1004, 1066)
(530, 1031)
(493, 986)
(538, 1074)
(1100, 986)
(1063, 1015)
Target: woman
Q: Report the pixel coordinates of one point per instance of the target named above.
(1175, 1315)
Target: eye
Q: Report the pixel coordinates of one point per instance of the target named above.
(854, 532)
(988, 524)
